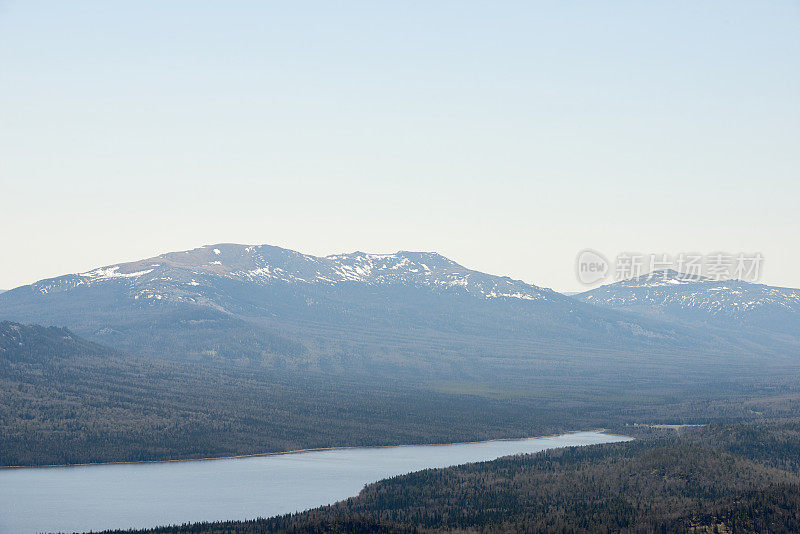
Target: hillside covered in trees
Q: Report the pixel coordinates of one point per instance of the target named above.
(66, 400)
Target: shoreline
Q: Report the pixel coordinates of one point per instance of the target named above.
(301, 451)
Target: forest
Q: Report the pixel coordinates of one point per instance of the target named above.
(68, 401)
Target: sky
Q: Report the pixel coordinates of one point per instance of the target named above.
(506, 135)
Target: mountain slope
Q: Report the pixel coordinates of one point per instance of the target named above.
(66, 400)
(702, 301)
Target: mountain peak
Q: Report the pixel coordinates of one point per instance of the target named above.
(699, 299)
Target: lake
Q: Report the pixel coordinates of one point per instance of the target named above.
(95, 497)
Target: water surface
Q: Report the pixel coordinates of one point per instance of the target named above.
(96, 497)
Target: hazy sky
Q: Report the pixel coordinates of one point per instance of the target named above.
(505, 135)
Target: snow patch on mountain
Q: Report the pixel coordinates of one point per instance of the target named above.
(105, 273)
(661, 278)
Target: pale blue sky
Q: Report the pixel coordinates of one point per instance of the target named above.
(505, 135)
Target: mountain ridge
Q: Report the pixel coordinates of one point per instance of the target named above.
(264, 264)
(381, 312)
(702, 300)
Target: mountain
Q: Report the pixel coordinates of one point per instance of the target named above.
(666, 294)
(383, 314)
(192, 276)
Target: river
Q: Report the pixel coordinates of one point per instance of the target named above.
(96, 497)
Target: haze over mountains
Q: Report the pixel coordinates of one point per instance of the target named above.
(395, 314)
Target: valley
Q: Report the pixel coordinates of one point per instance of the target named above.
(254, 350)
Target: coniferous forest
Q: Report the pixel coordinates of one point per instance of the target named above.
(68, 401)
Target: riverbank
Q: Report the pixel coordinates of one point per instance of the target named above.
(300, 451)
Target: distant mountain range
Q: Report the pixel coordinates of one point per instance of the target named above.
(379, 313)
(192, 276)
(701, 301)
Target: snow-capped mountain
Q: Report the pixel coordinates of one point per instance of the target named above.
(239, 301)
(187, 276)
(700, 300)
